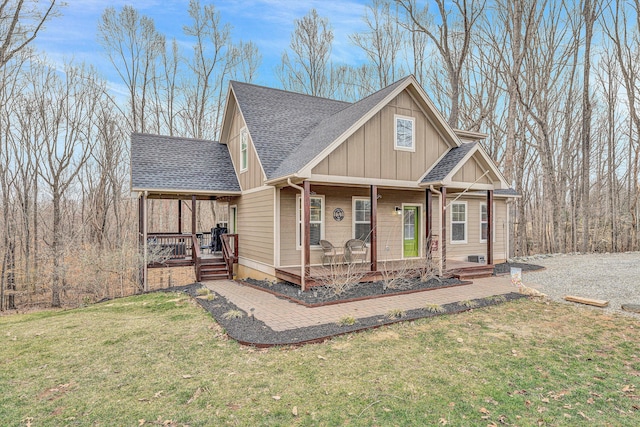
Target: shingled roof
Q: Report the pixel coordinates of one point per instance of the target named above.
(448, 162)
(279, 121)
(180, 164)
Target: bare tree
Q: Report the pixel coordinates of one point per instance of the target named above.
(452, 39)
(306, 68)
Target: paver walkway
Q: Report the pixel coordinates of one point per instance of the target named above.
(281, 315)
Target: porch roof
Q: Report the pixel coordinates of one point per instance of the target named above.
(450, 160)
(174, 164)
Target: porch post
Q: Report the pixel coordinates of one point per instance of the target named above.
(306, 241)
(193, 214)
(489, 227)
(428, 210)
(373, 237)
(145, 241)
(443, 232)
(179, 216)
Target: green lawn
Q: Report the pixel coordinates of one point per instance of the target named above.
(160, 360)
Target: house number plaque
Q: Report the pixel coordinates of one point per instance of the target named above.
(338, 214)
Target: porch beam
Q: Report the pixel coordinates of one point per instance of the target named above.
(489, 227)
(179, 216)
(306, 241)
(373, 237)
(193, 214)
(443, 231)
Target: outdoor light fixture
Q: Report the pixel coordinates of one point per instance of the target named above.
(398, 210)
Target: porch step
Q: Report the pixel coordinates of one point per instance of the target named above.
(213, 269)
(474, 272)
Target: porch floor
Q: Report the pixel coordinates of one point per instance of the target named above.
(317, 273)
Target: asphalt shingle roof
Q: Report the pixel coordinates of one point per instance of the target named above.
(448, 162)
(505, 192)
(279, 121)
(173, 163)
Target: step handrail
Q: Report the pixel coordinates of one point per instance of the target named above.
(230, 255)
(197, 256)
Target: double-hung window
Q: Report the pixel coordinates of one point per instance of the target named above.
(459, 222)
(405, 132)
(244, 149)
(362, 219)
(316, 222)
(484, 222)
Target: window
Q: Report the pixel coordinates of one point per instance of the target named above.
(362, 219)
(405, 133)
(484, 222)
(459, 222)
(316, 223)
(244, 148)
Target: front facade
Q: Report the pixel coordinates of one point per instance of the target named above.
(387, 170)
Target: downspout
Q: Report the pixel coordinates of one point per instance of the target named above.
(431, 187)
(302, 231)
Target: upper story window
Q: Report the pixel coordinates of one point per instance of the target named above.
(244, 149)
(459, 222)
(405, 132)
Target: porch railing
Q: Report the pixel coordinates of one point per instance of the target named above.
(230, 251)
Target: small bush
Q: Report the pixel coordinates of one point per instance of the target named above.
(202, 292)
(497, 298)
(211, 297)
(468, 303)
(233, 314)
(347, 321)
(434, 308)
(395, 313)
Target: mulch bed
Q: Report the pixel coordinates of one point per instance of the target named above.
(505, 267)
(250, 331)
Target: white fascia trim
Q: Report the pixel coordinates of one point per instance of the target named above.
(335, 179)
(257, 265)
(226, 108)
(466, 185)
(258, 189)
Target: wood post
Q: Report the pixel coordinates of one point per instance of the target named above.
(373, 237)
(428, 211)
(144, 222)
(193, 214)
(306, 241)
(179, 216)
(443, 232)
(489, 227)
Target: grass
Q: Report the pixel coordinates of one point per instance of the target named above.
(158, 359)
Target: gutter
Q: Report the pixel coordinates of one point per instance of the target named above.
(303, 248)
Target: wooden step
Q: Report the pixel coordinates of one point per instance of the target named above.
(475, 272)
(213, 269)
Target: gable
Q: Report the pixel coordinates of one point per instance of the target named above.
(369, 152)
(475, 170)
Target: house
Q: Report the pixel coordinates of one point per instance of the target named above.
(296, 169)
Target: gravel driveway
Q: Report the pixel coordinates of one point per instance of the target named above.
(611, 277)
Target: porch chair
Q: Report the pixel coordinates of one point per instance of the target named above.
(330, 252)
(356, 249)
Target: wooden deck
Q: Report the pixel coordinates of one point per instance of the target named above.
(362, 272)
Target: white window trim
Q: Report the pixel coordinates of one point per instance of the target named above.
(493, 228)
(466, 223)
(395, 133)
(244, 132)
(353, 216)
(233, 226)
(299, 220)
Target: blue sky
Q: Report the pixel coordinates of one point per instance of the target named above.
(268, 23)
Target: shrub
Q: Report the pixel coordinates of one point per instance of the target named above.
(233, 314)
(395, 313)
(434, 308)
(468, 303)
(347, 321)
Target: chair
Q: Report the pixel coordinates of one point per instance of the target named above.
(330, 252)
(356, 249)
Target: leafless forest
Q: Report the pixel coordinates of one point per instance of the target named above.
(554, 83)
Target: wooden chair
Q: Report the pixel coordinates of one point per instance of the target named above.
(356, 249)
(330, 253)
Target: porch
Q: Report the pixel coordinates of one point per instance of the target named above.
(318, 275)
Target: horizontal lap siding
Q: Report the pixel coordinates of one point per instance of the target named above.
(255, 226)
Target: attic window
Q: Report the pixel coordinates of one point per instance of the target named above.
(404, 133)
(244, 144)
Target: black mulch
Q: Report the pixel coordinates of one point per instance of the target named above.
(319, 295)
(249, 331)
(505, 267)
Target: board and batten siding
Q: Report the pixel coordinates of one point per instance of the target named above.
(254, 175)
(369, 152)
(255, 225)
